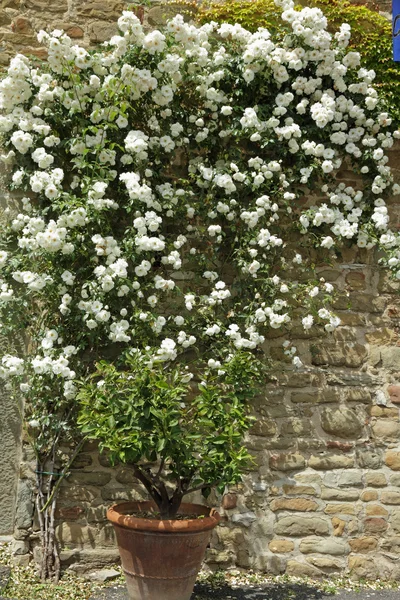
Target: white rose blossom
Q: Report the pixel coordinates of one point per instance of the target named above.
(120, 252)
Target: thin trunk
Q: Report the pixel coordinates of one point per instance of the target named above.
(53, 550)
(39, 506)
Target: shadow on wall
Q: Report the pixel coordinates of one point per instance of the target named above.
(273, 592)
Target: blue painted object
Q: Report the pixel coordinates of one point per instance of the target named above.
(396, 29)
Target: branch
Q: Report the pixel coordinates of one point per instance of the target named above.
(147, 484)
(63, 474)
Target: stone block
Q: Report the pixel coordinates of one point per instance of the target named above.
(391, 544)
(281, 546)
(391, 358)
(101, 31)
(24, 505)
(315, 397)
(375, 525)
(295, 490)
(93, 478)
(97, 514)
(369, 495)
(230, 535)
(264, 428)
(334, 461)
(105, 460)
(394, 394)
(392, 460)
(19, 547)
(395, 520)
(229, 501)
(355, 280)
(125, 475)
(350, 319)
(103, 575)
(96, 9)
(297, 526)
(340, 508)
(359, 395)
(339, 494)
(385, 430)
(5, 17)
(287, 462)
(295, 504)
(69, 513)
(299, 569)
(41, 6)
(72, 534)
(390, 497)
(330, 275)
(384, 412)
(362, 568)
(338, 526)
(381, 337)
(376, 510)
(21, 25)
(20, 560)
(351, 379)
(297, 427)
(72, 493)
(245, 519)
(395, 480)
(340, 354)
(263, 528)
(299, 380)
(330, 546)
(269, 563)
(342, 446)
(351, 478)
(325, 563)
(363, 544)
(74, 31)
(386, 284)
(307, 445)
(105, 536)
(81, 561)
(367, 303)
(308, 477)
(376, 566)
(369, 459)
(82, 461)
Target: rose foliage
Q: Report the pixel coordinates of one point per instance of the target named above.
(174, 188)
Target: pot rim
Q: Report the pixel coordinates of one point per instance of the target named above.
(117, 515)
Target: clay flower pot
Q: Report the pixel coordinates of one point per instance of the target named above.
(161, 559)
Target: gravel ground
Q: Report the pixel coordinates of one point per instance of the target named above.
(274, 592)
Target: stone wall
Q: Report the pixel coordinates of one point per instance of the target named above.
(89, 22)
(10, 435)
(10, 447)
(324, 495)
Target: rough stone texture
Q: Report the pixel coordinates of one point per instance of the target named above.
(342, 422)
(324, 496)
(331, 546)
(296, 526)
(10, 434)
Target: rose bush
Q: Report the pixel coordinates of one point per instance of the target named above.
(174, 190)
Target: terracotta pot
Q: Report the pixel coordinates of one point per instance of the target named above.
(161, 559)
